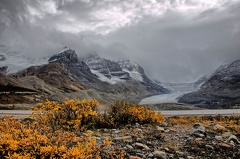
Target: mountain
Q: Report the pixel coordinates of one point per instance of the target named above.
(122, 72)
(135, 71)
(65, 75)
(222, 89)
(106, 70)
(53, 74)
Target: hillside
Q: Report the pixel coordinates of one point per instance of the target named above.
(221, 90)
(65, 74)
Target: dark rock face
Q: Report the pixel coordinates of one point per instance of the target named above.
(53, 74)
(221, 90)
(78, 69)
(106, 67)
(3, 70)
(70, 61)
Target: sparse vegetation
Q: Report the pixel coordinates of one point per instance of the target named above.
(59, 130)
(76, 129)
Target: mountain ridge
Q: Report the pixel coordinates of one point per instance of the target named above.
(66, 74)
(221, 90)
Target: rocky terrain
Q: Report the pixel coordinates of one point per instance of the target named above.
(221, 90)
(177, 138)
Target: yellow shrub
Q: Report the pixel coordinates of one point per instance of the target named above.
(17, 140)
(129, 113)
(70, 115)
(54, 131)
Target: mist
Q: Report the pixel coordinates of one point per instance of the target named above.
(174, 41)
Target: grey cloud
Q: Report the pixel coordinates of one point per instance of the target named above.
(173, 47)
(183, 50)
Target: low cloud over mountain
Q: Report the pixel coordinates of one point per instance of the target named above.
(175, 41)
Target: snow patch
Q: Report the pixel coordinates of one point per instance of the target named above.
(103, 78)
(65, 49)
(134, 75)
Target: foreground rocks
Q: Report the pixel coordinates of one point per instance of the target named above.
(185, 141)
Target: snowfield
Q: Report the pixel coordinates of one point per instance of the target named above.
(103, 78)
(177, 90)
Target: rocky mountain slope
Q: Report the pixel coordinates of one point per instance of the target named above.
(122, 72)
(222, 89)
(65, 75)
(106, 70)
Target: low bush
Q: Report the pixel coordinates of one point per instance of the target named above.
(128, 113)
(70, 115)
(56, 130)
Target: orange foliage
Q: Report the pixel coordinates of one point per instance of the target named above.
(55, 130)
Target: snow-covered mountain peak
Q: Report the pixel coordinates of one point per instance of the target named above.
(69, 59)
(127, 64)
(135, 70)
(67, 55)
(106, 70)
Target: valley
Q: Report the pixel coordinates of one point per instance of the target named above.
(119, 79)
(65, 75)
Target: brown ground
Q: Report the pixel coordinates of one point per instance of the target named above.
(13, 99)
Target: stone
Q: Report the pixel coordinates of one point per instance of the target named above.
(197, 125)
(219, 127)
(139, 139)
(180, 153)
(166, 131)
(167, 149)
(232, 143)
(164, 124)
(97, 138)
(198, 130)
(209, 147)
(140, 145)
(219, 138)
(234, 139)
(226, 135)
(160, 154)
(198, 139)
(150, 155)
(224, 145)
(116, 132)
(134, 157)
(201, 135)
(123, 138)
(137, 124)
(129, 146)
(160, 128)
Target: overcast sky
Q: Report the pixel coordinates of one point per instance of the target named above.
(174, 40)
